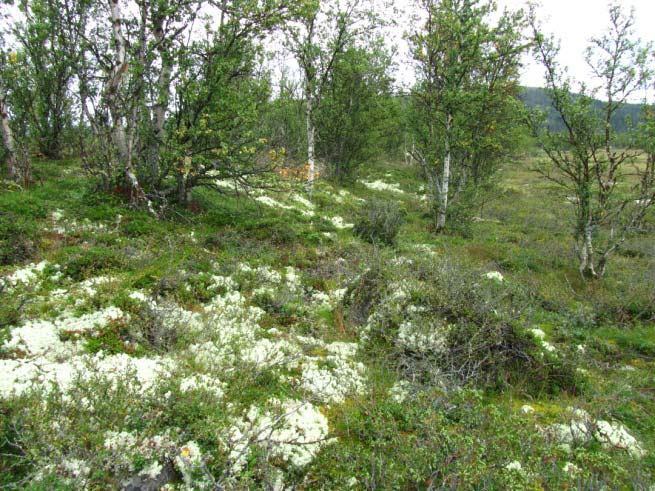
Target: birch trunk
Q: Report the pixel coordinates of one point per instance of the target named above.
(445, 180)
(8, 137)
(161, 105)
(182, 195)
(587, 268)
(311, 141)
(114, 82)
(137, 196)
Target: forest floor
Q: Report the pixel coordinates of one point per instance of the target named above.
(259, 343)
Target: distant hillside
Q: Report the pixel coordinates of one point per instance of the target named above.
(535, 97)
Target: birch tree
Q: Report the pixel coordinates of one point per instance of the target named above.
(16, 162)
(611, 186)
(43, 42)
(11, 159)
(647, 143)
(467, 86)
(168, 89)
(355, 108)
(317, 40)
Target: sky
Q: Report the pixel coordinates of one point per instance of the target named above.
(574, 22)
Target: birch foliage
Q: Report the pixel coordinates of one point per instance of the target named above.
(166, 92)
(318, 39)
(464, 101)
(608, 185)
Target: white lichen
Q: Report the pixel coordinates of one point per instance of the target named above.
(495, 276)
(339, 223)
(400, 391)
(292, 431)
(380, 185)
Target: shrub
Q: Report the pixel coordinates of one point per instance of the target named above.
(159, 328)
(113, 339)
(365, 294)
(437, 321)
(140, 227)
(455, 441)
(18, 239)
(379, 222)
(20, 230)
(91, 262)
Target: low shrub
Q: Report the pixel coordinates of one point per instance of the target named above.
(84, 263)
(437, 321)
(18, 238)
(379, 222)
(140, 227)
(365, 293)
(458, 441)
(158, 328)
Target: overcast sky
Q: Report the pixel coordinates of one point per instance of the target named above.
(574, 22)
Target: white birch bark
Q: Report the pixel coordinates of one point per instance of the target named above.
(8, 136)
(122, 142)
(161, 105)
(115, 78)
(445, 180)
(587, 268)
(311, 143)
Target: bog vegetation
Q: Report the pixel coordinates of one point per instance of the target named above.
(220, 275)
